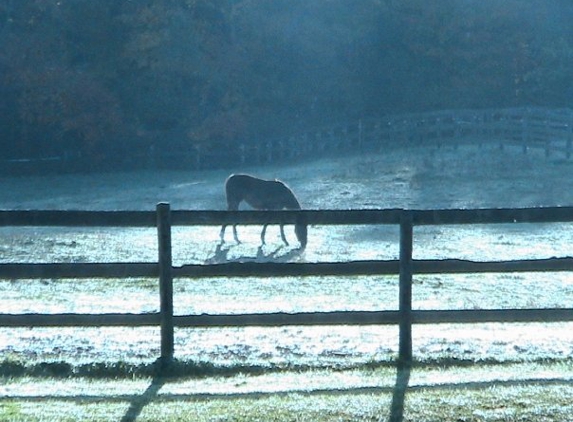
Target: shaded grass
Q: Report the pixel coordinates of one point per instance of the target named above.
(172, 369)
(516, 405)
(14, 367)
(454, 397)
(494, 403)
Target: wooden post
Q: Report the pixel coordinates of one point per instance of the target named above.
(406, 246)
(198, 157)
(269, 152)
(360, 134)
(569, 137)
(345, 138)
(242, 148)
(165, 280)
(525, 130)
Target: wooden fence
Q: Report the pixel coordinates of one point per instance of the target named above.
(164, 218)
(529, 127)
(547, 129)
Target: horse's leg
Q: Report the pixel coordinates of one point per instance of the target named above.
(232, 205)
(263, 232)
(222, 233)
(235, 234)
(283, 234)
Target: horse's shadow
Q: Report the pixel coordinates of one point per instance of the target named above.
(222, 250)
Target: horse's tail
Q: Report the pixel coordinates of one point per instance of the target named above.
(233, 187)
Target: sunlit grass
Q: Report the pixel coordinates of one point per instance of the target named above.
(482, 372)
(496, 404)
(517, 392)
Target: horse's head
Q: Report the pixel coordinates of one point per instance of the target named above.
(301, 232)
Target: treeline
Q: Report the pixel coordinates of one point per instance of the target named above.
(107, 83)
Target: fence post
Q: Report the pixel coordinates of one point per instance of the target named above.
(165, 280)
(569, 137)
(360, 134)
(406, 246)
(525, 130)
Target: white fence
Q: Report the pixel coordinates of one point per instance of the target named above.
(530, 127)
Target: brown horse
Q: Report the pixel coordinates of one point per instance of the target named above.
(262, 195)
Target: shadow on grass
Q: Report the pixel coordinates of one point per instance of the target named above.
(399, 395)
(398, 392)
(152, 393)
(221, 255)
(138, 403)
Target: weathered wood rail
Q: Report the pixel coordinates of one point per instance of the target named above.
(546, 129)
(550, 130)
(164, 218)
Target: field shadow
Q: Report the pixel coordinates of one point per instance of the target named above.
(138, 403)
(151, 394)
(399, 394)
(221, 255)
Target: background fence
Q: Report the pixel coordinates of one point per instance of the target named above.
(530, 127)
(548, 129)
(164, 218)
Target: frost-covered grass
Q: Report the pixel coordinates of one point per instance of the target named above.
(421, 178)
(306, 366)
(478, 393)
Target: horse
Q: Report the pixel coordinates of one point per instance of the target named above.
(262, 194)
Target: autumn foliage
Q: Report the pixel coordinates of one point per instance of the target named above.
(111, 81)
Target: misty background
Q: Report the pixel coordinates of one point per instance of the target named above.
(118, 84)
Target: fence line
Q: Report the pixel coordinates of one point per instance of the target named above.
(550, 130)
(153, 319)
(273, 269)
(547, 129)
(163, 219)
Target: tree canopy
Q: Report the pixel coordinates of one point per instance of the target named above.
(113, 78)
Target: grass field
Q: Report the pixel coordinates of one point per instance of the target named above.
(514, 392)
(482, 372)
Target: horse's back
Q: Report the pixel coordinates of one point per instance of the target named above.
(259, 193)
(237, 185)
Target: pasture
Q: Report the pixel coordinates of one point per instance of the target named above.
(531, 363)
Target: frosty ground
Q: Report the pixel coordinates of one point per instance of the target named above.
(422, 178)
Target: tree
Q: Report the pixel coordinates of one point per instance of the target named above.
(60, 101)
(114, 78)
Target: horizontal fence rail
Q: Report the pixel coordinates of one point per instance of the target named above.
(153, 319)
(405, 267)
(316, 217)
(272, 269)
(550, 130)
(546, 129)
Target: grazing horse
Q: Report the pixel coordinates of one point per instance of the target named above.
(262, 195)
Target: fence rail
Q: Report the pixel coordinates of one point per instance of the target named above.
(550, 130)
(529, 127)
(273, 269)
(287, 319)
(163, 219)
